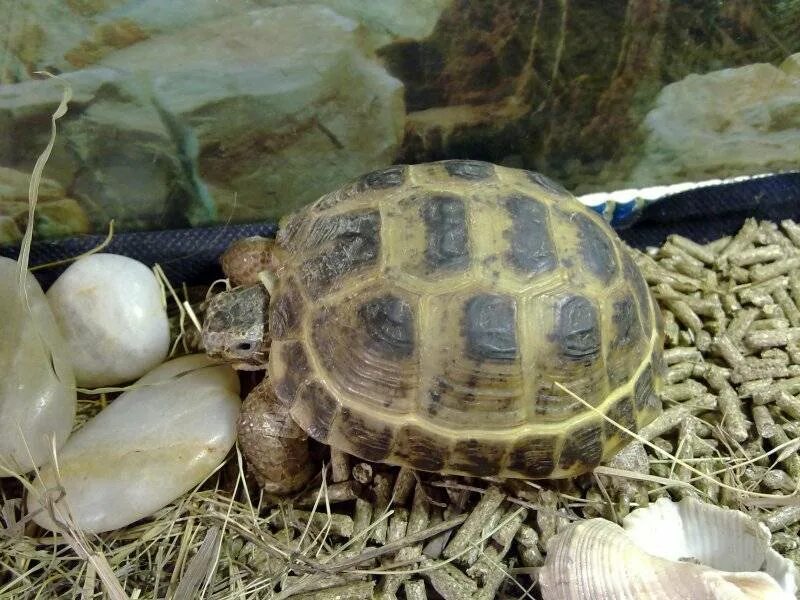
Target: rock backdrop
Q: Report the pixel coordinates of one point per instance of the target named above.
(64, 35)
(563, 87)
(243, 115)
(280, 105)
(192, 112)
(56, 215)
(745, 120)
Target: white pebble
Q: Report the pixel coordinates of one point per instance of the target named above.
(37, 387)
(111, 312)
(148, 447)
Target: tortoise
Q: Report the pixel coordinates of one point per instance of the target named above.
(428, 316)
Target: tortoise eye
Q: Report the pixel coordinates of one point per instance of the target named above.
(244, 346)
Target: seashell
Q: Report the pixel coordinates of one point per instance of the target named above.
(149, 446)
(597, 559)
(37, 387)
(110, 310)
(718, 537)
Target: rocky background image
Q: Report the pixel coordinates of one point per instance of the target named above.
(196, 112)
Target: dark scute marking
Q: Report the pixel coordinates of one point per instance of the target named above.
(659, 366)
(626, 321)
(596, 248)
(582, 447)
(552, 403)
(622, 413)
(644, 392)
(533, 457)
(436, 397)
(345, 243)
(634, 276)
(491, 328)
(293, 355)
(481, 459)
(551, 186)
(366, 442)
(389, 322)
(532, 250)
(620, 374)
(352, 359)
(448, 241)
(322, 408)
(285, 312)
(659, 319)
(469, 169)
(288, 233)
(577, 329)
(421, 450)
(384, 178)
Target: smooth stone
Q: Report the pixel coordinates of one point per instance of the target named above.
(151, 445)
(110, 310)
(37, 388)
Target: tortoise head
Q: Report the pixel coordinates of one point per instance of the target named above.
(236, 328)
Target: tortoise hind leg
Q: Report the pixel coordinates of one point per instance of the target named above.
(276, 448)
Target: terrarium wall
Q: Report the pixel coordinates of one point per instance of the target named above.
(194, 112)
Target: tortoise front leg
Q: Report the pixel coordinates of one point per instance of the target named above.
(273, 444)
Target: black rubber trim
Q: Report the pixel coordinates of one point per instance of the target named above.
(191, 255)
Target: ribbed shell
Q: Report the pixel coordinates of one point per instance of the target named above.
(423, 315)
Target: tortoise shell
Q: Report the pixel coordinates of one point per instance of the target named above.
(424, 314)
